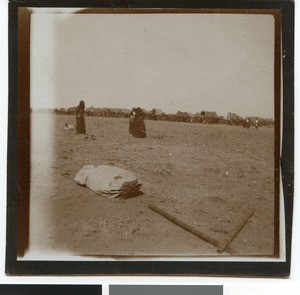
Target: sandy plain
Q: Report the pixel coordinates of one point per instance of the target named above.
(205, 175)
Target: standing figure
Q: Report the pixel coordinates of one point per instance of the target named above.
(246, 123)
(131, 120)
(80, 121)
(139, 128)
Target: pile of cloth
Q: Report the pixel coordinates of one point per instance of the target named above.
(109, 181)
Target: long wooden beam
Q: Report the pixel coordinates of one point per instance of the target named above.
(190, 229)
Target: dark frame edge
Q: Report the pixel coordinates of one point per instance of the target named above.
(12, 164)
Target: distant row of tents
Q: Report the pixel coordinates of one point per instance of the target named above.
(205, 117)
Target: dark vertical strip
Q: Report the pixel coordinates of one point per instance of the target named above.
(277, 104)
(23, 128)
(12, 150)
(287, 156)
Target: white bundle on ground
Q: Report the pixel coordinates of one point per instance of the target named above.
(69, 127)
(108, 181)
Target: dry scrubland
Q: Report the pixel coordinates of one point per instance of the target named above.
(206, 175)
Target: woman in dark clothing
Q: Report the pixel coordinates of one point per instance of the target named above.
(139, 128)
(131, 120)
(80, 121)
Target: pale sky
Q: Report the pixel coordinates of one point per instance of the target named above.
(186, 62)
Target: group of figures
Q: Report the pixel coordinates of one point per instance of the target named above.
(137, 124)
(247, 123)
(136, 121)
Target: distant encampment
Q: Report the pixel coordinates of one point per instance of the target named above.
(203, 117)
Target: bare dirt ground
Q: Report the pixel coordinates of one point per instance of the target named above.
(206, 175)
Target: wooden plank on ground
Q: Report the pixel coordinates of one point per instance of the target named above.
(190, 229)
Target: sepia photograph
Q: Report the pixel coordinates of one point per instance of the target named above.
(149, 135)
